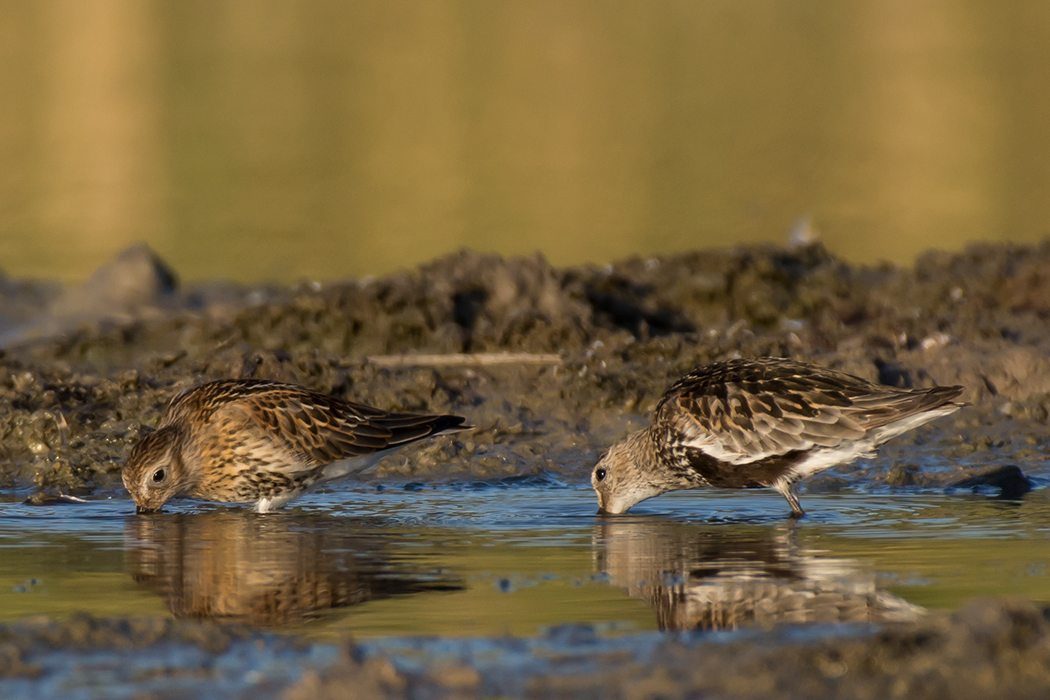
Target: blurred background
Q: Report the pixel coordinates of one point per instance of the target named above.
(277, 140)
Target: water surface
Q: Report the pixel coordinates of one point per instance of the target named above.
(496, 559)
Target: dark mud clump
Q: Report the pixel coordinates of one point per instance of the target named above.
(87, 657)
(988, 649)
(87, 370)
(21, 642)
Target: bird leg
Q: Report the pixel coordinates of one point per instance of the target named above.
(789, 490)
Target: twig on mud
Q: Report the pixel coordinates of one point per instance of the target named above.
(477, 359)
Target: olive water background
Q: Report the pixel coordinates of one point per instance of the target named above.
(275, 140)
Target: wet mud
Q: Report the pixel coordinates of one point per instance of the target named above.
(85, 372)
(988, 649)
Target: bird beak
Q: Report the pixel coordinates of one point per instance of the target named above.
(141, 510)
(608, 507)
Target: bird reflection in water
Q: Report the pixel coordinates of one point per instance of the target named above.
(271, 570)
(726, 577)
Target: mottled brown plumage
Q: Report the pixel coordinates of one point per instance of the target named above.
(261, 442)
(759, 423)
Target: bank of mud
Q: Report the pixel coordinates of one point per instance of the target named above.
(988, 649)
(86, 370)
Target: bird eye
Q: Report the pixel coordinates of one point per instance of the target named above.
(158, 476)
(599, 474)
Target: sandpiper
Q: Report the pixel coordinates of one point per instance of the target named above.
(767, 422)
(263, 442)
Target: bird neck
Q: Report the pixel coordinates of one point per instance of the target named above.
(182, 464)
(644, 448)
(673, 466)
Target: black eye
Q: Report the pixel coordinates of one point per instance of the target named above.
(158, 476)
(599, 474)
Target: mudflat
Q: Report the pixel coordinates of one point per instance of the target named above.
(551, 365)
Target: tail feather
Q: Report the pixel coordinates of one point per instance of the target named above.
(406, 428)
(881, 410)
(916, 408)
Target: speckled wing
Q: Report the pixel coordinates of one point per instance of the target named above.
(304, 429)
(746, 412)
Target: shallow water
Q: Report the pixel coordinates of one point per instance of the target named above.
(511, 578)
(522, 558)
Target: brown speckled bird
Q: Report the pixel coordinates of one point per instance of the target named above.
(759, 423)
(262, 442)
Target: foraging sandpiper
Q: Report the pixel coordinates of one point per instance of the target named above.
(262, 442)
(767, 422)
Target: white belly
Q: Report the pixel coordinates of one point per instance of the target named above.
(354, 466)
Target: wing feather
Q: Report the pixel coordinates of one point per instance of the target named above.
(747, 411)
(305, 430)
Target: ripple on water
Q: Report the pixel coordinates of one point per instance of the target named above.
(521, 556)
(513, 575)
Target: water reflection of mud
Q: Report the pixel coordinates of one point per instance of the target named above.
(724, 577)
(266, 570)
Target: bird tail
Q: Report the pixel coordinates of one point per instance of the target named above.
(409, 427)
(891, 415)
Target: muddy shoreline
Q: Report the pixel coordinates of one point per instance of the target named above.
(86, 371)
(988, 649)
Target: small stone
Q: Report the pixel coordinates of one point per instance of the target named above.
(1008, 478)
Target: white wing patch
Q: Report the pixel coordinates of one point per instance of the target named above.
(891, 430)
(832, 457)
(725, 451)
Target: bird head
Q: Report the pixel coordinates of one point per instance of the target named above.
(627, 474)
(154, 472)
